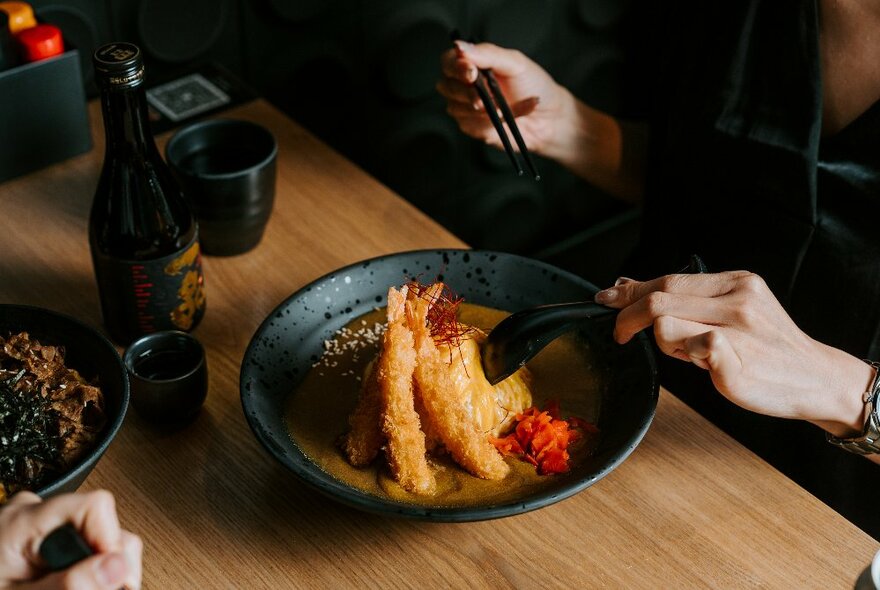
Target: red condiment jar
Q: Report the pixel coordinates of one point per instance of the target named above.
(40, 42)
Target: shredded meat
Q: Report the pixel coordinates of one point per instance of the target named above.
(75, 408)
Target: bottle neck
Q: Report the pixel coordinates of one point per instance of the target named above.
(139, 211)
(127, 121)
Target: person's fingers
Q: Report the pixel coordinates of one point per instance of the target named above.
(23, 498)
(459, 93)
(703, 285)
(99, 572)
(525, 107)
(712, 351)
(447, 58)
(455, 65)
(92, 513)
(697, 343)
(671, 332)
(506, 62)
(133, 549)
(460, 110)
(636, 317)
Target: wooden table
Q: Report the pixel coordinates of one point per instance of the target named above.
(690, 508)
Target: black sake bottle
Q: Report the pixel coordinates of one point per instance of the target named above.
(143, 235)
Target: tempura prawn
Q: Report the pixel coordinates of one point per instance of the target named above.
(469, 447)
(400, 422)
(365, 438)
(426, 392)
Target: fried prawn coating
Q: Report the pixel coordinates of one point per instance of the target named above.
(470, 448)
(365, 438)
(400, 422)
(432, 440)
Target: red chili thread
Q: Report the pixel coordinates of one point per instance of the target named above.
(443, 321)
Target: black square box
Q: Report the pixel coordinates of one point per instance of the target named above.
(43, 114)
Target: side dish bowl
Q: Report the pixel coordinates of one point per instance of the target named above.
(95, 358)
(291, 340)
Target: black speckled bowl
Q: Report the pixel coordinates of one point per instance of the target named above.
(90, 353)
(291, 339)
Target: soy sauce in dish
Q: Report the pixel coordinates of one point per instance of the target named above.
(165, 364)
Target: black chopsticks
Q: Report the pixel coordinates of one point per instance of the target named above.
(493, 100)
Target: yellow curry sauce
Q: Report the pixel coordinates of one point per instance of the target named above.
(317, 414)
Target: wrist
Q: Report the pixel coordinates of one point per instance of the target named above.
(844, 411)
(590, 143)
(563, 141)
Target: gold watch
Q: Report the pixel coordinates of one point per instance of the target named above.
(869, 442)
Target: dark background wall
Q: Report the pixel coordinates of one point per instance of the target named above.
(361, 75)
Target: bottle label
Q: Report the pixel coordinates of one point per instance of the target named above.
(144, 296)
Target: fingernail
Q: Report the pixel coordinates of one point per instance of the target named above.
(471, 74)
(622, 280)
(463, 46)
(606, 296)
(111, 570)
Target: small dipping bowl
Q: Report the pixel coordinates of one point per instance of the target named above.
(168, 374)
(227, 168)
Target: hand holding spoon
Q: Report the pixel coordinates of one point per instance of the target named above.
(522, 335)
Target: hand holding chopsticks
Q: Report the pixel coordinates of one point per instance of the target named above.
(489, 91)
(604, 150)
(508, 118)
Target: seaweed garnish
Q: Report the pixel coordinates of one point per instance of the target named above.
(29, 437)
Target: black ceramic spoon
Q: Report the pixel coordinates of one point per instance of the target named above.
(522, 335)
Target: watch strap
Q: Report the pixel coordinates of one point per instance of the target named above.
(869, 441)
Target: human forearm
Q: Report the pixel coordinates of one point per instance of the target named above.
(604, 150)
(842, 411)
(732, 325)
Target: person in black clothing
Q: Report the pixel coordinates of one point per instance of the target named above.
(757, 146)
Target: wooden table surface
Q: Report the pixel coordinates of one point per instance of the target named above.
(689, 508)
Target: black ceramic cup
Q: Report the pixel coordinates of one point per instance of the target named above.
(227, 170)
(168, 374)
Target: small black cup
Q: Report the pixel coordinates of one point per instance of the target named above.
(168, 374)
(227, 170)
